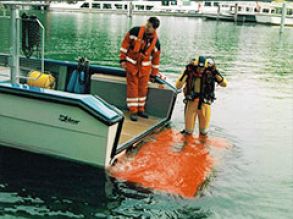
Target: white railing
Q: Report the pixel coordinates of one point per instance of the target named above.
(15, 36)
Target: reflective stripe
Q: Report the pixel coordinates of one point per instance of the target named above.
(147, 63)
(132, 104)
(155, 66)
(133, 37)
(141, 104)
(123, 50)
(141, 98)
(132, 99)
(131, 60)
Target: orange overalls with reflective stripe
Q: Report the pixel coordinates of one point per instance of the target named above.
(142, 59)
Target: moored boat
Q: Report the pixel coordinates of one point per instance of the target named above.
(258, 12)
(90, 128)
(175, 8)
(272, 14)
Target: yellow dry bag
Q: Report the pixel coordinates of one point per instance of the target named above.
(39, 79)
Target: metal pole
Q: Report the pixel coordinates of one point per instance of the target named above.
(43, 46)
(283, 18)
(17, 42)
(91, 4)
(236, 12)
(218, 11)
(14, 44)
(129, 23)
(4, 12)
(129, 9)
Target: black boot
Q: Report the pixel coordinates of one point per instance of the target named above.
(133, 117)
(184, 132)
(143, 115)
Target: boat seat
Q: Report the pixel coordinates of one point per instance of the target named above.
(117, 79)
(108, 78)
(113, 90)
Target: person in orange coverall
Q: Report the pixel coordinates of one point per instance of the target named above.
(140, 58)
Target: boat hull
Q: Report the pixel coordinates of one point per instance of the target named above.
(55, 126)
(274, 20)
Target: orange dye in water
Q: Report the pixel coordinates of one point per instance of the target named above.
(172, 163)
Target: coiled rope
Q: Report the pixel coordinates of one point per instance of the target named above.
(31, 35)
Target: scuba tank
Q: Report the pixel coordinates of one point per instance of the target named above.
(189, 92)
(206, 92)
(207, 87)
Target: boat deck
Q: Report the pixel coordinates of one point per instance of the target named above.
(132, 129)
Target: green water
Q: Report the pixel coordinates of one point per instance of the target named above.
(253, 179)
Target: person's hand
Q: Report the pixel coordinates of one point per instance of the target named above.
(152, 79)
(162, 76)
(215, 71)
(123, 65)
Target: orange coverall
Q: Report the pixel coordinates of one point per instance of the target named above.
(142, 55)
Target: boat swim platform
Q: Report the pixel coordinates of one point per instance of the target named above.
(131, 129)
